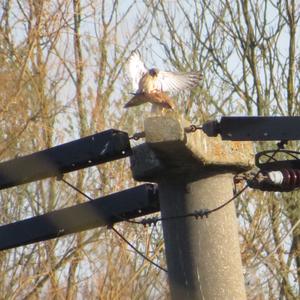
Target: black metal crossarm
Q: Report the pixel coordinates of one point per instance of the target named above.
(258, 128)
(117, 207)
(85, 152)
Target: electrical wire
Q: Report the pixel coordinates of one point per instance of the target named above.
(74, 188)
(137, 250)
(230, 200)
(196, 214)
(111, 227)
(153, 221)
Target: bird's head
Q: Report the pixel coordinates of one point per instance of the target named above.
(153, 72)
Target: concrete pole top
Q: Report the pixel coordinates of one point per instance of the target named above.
(169, 148)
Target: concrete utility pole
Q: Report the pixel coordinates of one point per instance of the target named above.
(195, 172)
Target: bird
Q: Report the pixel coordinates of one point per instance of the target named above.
(153, 85)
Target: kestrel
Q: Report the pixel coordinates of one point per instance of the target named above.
(154, 85)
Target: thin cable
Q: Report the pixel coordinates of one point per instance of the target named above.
(75, 188)
(196, 214)
(230, 200)
(245, 187)
(117, 232)
(138, 251)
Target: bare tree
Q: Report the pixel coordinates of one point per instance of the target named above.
(61, 77)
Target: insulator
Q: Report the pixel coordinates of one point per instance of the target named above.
(276, 180)
(286, 178)
(276, 177)
(291, 178)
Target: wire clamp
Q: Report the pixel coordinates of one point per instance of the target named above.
(201, 213)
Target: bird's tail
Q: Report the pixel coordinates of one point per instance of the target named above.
(136, 100)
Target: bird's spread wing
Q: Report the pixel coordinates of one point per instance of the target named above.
(136, 69)
(174, 82)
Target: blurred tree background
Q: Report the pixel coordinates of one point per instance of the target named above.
(62, 76)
